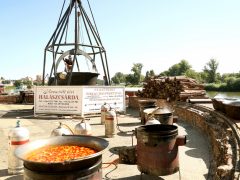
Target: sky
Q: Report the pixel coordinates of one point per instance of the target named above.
(156, 33)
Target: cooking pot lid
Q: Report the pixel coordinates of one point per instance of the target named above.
(158, 110)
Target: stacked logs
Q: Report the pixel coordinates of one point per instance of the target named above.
(177, 88)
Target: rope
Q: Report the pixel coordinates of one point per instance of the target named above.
(115, 163)
(68, 128)
(152, 113)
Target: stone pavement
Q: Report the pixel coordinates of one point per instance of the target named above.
(194, 157)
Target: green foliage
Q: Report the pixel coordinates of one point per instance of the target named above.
(37, 83)
(164, 73)
(232, 84)
(118, 78)
(17, 83)
(226, 76)
(149, 74)
(130, 79)
(211, 70)
(9, 88)
(213, 87)
(177, 69)
(28, 84)
(193, 74)
(136, 77)
(137, 70)
(6, 82)
(174, 70)
(184, 66)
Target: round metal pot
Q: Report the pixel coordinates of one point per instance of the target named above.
(144, 104)
(163, 114)
(78, 78)
(96, 143)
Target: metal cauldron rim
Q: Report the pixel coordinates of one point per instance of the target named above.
(157, 130)
(97, 143)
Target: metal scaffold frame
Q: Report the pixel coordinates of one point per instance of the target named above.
(75, 48)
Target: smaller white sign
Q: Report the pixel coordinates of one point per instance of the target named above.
(95, 97)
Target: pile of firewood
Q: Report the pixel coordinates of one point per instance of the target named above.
(177, 88)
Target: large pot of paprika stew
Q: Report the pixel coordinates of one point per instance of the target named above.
(52, 162)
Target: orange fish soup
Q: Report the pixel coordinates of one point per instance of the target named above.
(59, 153)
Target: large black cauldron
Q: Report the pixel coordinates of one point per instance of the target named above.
(78, 78)
(96, 143)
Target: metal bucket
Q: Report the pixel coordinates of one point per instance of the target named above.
(78, 78)
(163, 115)
(157, 149)
(144, 104)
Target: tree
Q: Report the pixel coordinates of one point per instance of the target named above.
(6, 82)
(211, 70)
(28, 84)
(118, 78)
(178, 69)
(136, 77)
(184, 66)
(193, 74)
(130, 79)
(149, 74)
(17, 83)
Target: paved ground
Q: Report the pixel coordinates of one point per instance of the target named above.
(193, 157)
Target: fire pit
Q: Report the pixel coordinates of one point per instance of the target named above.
(157, 149)
(86, 168)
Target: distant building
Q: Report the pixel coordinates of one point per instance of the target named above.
(1, 88)
(38, 78)
(27, 79)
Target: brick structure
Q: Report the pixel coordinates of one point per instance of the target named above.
(223, 143)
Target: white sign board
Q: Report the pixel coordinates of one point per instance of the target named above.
(95, 97)
(77, 100)
(57, 100)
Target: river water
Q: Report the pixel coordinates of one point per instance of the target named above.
(216, 94)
